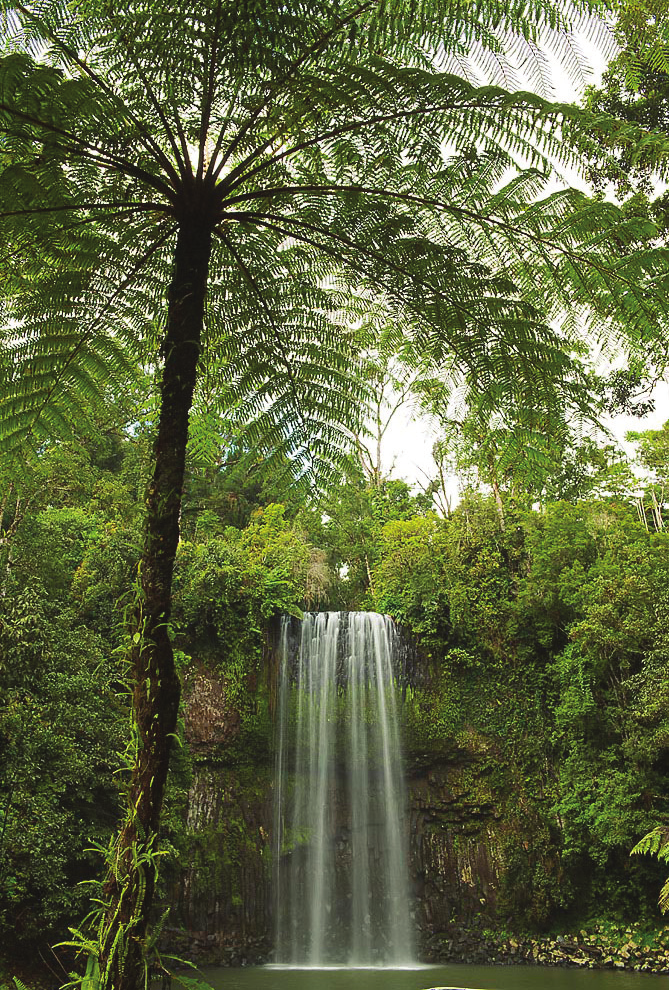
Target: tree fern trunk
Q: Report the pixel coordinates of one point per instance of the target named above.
(130, 883)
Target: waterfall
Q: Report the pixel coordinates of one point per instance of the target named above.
(340, 862)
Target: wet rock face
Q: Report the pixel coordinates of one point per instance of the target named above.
(221, 900)
(231, 948)
(462, 831)
(210, 722)
(480, 852)
(454, 854)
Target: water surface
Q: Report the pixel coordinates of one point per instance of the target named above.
(424, 978)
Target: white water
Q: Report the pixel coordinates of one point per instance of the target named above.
(341, 879)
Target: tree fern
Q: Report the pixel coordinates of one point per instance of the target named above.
(219, 191)
(656, 843)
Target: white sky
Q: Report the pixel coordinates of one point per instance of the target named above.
(408, 443)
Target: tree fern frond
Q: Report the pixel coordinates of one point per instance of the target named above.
(655, 843)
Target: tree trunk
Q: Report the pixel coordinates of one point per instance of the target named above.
(129, 887)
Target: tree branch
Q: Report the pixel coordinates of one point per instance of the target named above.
(316, 49)
(128, 208)
(120, 164)
(208, 93)
(269, 220)
(482, 220)
(147, 139)
(157, 106)
(236, 178)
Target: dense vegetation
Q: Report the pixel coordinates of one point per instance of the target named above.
(223, 195)
(272, 212)
(546, 639)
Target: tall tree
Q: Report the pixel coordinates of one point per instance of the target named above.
(635, 85)
(218, 189)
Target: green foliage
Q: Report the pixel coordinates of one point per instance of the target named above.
(221, 193)
(327, 193)
(88, 939)
(348, 522)
(227, 589)
(59, 728)
(656, 843)
(635, 88)
(542, 655)
(63, 706)
(436, 576)
(540, 675)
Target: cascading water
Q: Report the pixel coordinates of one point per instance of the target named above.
(341, 878)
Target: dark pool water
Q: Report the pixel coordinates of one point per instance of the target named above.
(465, 977)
